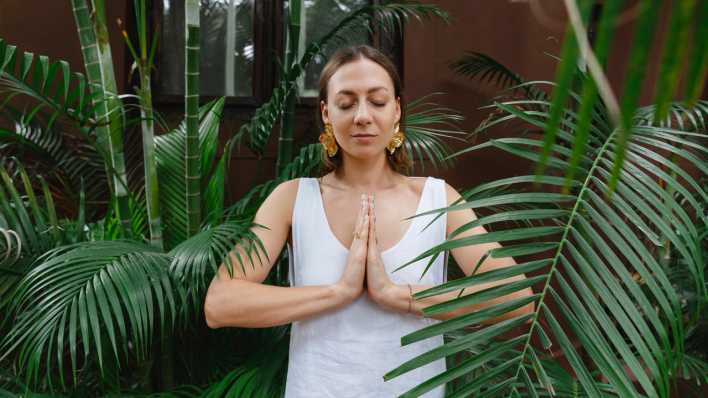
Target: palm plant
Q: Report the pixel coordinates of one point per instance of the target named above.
(606, 268)
(685, 26)
(90, 306)
(609, 303)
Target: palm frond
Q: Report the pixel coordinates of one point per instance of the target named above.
(478, 65)
(261, 376)
(169, 153)
(95, 298)
(426, 126)
(602, 294)
(678, 116)
(61, 157)
(698, 59)
(52, 84)
(674, 52)
(196, 260)
(30, 217)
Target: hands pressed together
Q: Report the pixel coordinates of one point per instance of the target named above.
(364, 263)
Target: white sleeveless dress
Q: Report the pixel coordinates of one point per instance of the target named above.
(345, 353)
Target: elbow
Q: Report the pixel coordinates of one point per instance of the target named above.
(529, 308)
(211, 314)
(219, 307)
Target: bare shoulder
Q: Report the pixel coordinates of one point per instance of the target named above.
(281, 201)
(458, 218)
(417, 184)
(288, 188)
(452, 194)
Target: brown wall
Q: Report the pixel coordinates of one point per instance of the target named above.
(517, 36)
(47, 27)
(509, 31)
(503, 30)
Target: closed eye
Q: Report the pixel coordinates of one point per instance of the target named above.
(345, 107)
(377, 104)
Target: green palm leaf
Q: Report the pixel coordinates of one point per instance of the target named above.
(254, 379)
(62, 157)
(94, 298)
(29, 219)
(426, 126)
(196, 260)
(602, 289)
(169, 154)
(476, 65)
(51, 84)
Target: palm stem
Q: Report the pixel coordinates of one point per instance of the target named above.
(109, 136)
(285, 141)
(603, 84)
(191, 77)
(114, 113)
(152, 194)
(563, 239)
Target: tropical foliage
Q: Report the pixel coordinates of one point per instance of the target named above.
(107, 255)
(619, 275)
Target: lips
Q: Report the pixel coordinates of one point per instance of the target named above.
(363, 135)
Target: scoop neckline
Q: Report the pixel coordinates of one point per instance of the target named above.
(390, 249)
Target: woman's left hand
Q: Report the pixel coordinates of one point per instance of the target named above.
(378, 283)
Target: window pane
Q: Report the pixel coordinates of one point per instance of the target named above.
(226, 28)
(320, 16)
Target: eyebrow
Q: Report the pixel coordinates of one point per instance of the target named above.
(371, 90)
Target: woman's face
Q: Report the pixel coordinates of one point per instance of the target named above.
(362, 108)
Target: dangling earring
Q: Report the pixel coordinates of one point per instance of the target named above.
(396, 140)
(327, 140)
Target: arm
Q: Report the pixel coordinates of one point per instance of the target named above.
(242, 300)
(397, 297)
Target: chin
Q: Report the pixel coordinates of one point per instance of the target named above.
(365, 153)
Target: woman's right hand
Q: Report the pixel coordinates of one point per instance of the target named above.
(351, 284)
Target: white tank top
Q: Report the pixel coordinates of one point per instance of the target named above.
(345, 353)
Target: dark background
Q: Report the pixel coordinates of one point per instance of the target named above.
(511, 31)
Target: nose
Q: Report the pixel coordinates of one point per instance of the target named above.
(362, 115)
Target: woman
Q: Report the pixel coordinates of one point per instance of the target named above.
(347, 307)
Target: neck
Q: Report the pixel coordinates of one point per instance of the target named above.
(367, 175)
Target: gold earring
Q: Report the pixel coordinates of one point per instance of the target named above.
(396, 140)
(327, 140)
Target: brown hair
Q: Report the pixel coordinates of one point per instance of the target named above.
(399, 161)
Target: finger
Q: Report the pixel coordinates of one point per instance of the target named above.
(372, 227)
(364, 229)
(364, 232)
(361, 215)
(371, 250)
